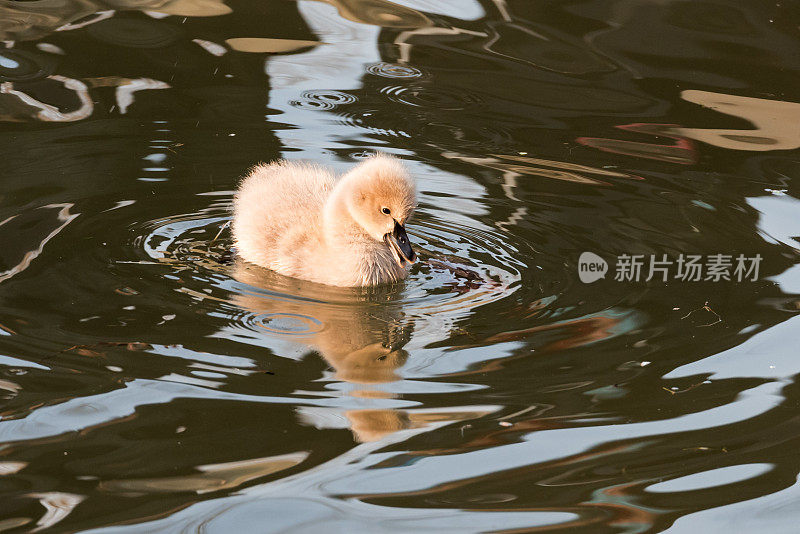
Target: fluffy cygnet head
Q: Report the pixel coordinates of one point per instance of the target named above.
(380, 196)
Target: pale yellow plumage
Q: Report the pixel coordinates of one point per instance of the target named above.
(299, 220)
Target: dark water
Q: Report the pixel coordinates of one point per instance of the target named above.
(149, 382)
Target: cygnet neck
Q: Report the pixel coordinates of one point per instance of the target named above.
(340, 226)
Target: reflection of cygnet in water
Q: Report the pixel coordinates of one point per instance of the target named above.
(300, 221)
(372, 425)
(360, 337)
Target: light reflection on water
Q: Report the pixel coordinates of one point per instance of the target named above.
(150, 380)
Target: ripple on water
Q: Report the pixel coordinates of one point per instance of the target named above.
(292, 324)
(468, 134)
(465, 267)
(322, 100)
(432, 97)
(365, 119)
(462, 268)
(394, 70)
(455, 135)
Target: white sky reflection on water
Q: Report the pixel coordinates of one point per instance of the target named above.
(350, 473)
(765, 355)
(769, 513)
(712, 478)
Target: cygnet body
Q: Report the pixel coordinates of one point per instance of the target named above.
(299, 220)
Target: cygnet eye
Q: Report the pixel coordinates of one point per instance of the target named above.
(387, 211)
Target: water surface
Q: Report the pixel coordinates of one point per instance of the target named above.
(150, 381)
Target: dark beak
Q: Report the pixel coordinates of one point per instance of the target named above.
(400, 245)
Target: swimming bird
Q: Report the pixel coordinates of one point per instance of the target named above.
(299, 220)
